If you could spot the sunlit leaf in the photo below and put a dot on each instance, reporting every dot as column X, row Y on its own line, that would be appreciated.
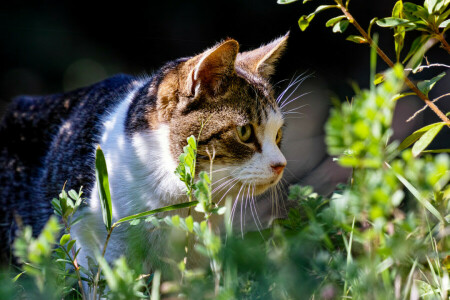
column 101, row 173
column 64, row 239
column 416, row 135
column 356, row 39
column 158, row 210
column 426, row 139
column 304, row 21
column 341, row 26
column 333, row 21
column 286, row 1
column 401, row 95
column 391, row 22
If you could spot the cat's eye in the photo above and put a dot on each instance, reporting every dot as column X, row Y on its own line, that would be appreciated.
column 245, row 133
column 279, row 135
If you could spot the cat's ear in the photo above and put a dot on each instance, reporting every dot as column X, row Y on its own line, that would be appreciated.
column 213, row 67
column 261, row 61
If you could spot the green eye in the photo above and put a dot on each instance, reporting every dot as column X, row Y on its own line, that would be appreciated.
column 244, row 132
column 279, row 135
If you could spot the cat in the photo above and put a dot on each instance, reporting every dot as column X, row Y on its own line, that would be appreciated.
column 142, row 123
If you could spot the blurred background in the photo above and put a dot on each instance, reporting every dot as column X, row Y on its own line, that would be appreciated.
column 55, row 46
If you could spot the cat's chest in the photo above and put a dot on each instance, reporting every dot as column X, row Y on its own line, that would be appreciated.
column 140, row 167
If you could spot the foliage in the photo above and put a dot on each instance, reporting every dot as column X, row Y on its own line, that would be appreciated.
column 383, row 235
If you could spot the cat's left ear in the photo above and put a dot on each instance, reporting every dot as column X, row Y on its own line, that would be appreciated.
column 213, row 67
column 261, row 61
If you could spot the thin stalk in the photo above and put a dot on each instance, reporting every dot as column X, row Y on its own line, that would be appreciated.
column 97, row 277
column 75, row 264
column 389, row 62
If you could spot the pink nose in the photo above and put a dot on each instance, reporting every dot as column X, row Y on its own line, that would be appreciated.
column 278, row 168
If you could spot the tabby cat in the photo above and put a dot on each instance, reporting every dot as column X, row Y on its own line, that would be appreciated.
column 142, row 125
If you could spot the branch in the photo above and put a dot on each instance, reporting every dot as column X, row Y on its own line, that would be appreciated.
column 423, row 108
column 380, row 52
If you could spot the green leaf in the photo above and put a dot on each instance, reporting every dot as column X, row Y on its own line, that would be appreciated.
column 392, row 22
column 332, row 22
column 17, row 276
column 323, row 7
column 426, row 139
column 158, row 210
column 416, row 135
column 418, row 196
column 401, row 95
column 444, row 24
column 70, row 245
column 304, row 21
column 426, row 85
column 340, row 26
column 416, row 45
column 356, row 39
column 415, row 12
column 437, row 151
column 398, row 9
column 430, row 5
column 190, row 223
column 73, row 195
column 379, row 78
column 286, row 1
column 101, row 174
column 64, row 239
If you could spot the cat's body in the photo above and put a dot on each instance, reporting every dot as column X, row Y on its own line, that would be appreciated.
column 142, row 125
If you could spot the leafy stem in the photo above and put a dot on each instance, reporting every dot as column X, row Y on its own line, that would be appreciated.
column 74, row 261
column 389, row 62
column 445, row 44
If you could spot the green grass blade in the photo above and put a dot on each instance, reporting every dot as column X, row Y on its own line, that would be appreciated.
column 101, row 174
column 158, row 210
column 419, row 197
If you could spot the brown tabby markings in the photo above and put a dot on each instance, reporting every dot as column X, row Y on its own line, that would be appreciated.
column 234, row 91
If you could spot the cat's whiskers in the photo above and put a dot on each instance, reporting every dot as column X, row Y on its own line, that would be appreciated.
column 219, row 180
column 297, row 82
column 286, row 102
column 244, row 205
column 233, row 210
column 255, row 212
column 232, row 186
column 222, row 186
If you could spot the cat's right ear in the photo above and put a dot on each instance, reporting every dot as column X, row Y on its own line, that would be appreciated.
column 212, row 68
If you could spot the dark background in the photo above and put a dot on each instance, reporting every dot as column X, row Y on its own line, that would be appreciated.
column 54, row 46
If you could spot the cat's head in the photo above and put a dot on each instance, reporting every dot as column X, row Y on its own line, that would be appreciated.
column 230, row 93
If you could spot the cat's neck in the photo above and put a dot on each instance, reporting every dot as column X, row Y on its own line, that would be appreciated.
column 140, row 167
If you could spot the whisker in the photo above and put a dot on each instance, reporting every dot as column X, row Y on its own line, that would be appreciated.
column 221, row 179
column 282, row 103
column 233, row 210
column 290, row 85
column 294, row 109
column 228, row 191
column 287, row 102
column 222, row 186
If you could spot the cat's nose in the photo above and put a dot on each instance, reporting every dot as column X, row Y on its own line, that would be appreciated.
column 278, row 168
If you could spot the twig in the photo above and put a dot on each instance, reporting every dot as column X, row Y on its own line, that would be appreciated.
column 75, row 263
column 97, row 277
column 420, row 68
column 444, row 43
column 380, row 52
column 423, row 108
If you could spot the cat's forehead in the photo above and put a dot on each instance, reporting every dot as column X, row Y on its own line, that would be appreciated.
column 258, row 102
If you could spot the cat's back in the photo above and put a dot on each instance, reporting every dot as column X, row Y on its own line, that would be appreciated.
column 33, row 128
